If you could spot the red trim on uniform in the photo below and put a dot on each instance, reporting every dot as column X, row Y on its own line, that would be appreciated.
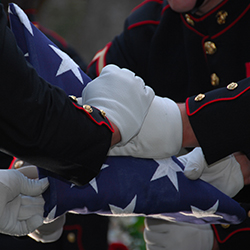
column 213, row 101
column 165, row 8
column 143, row 23
column 98, row 123
column 99, row 56
column 79, row 234
column 232, row 24
column 209, row 13
column 247, row 65
column 145, row 2
column 230, row 235
column 190, row 27
column 12, row 163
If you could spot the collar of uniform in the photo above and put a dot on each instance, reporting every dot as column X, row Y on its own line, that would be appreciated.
column 208, row 25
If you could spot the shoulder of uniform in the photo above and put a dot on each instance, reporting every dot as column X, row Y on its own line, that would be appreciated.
column 148, row 12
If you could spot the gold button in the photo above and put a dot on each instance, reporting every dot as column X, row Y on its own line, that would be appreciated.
column 221, row 17
column 189, row 20
column 103, row 113
column 210, row 47
column 215, row 80
column 232, row 86
column 71, row 237
column 72, row 97
column 225, row 226
column 248, row 214
column 88, row 108
column 199, row 97
column 18, row 164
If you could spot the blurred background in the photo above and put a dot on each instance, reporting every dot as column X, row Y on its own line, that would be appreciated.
column 87, row 25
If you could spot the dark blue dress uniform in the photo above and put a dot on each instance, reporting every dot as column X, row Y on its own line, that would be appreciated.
column 183, row 54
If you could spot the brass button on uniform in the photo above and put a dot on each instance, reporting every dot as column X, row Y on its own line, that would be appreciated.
column 232, row 86
column 199, row 97
column 221, row 17
column 103, row 113
column 71, row 237
column 88, row 108
column 189, row 20
column 225, row 226
column 73, row 98
column 210, row 47
column 248, row 214
column 215, row 80
column 18, row 164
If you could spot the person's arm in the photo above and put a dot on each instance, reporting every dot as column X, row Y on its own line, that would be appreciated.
column 55, row 132
column 189, row 139
column 220, row 120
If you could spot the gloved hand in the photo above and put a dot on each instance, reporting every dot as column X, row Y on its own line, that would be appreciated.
column 225, row 174
column 160, row 135
column 49, row 232
column 161, row 234
column 124, row 98
column 21, row 203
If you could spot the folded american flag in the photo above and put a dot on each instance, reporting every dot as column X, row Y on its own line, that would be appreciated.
column 51, row 63
column 126, row 186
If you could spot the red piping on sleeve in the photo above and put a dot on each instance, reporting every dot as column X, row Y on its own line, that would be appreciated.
column 98, row 123
column 230, row 235
column 213, row 101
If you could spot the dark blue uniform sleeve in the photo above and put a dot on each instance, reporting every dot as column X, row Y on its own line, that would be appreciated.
column 41, row 125
column 220, row 120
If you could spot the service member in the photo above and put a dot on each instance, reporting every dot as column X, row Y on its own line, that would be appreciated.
column 182, row 48
column 55, row 132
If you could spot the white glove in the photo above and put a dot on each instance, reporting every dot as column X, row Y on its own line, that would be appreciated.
column 21, row 203
column 160, row 135
column 49, row 232
column 225, row 174
column 160, row 235
column 123, row 96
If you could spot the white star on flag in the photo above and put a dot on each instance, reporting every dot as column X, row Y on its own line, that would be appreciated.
column 198, row 213
column 127, row 211
column 23, row 18
column 169, row 168
column 67, row 64
column 51, row 216
column 93, row 182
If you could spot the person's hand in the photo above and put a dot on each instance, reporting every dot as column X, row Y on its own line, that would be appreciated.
column 160, row 135
column 49, row 232
column 225, row 174
column 161, row 234
column 124, row 98
column 21, row 203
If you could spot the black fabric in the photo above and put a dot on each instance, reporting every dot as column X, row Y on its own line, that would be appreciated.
column 199, row 3
column 40, row 124
column 89, row 233
column 231, row 237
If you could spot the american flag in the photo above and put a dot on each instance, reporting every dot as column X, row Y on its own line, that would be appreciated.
column 51, row 63
column 125, row 186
